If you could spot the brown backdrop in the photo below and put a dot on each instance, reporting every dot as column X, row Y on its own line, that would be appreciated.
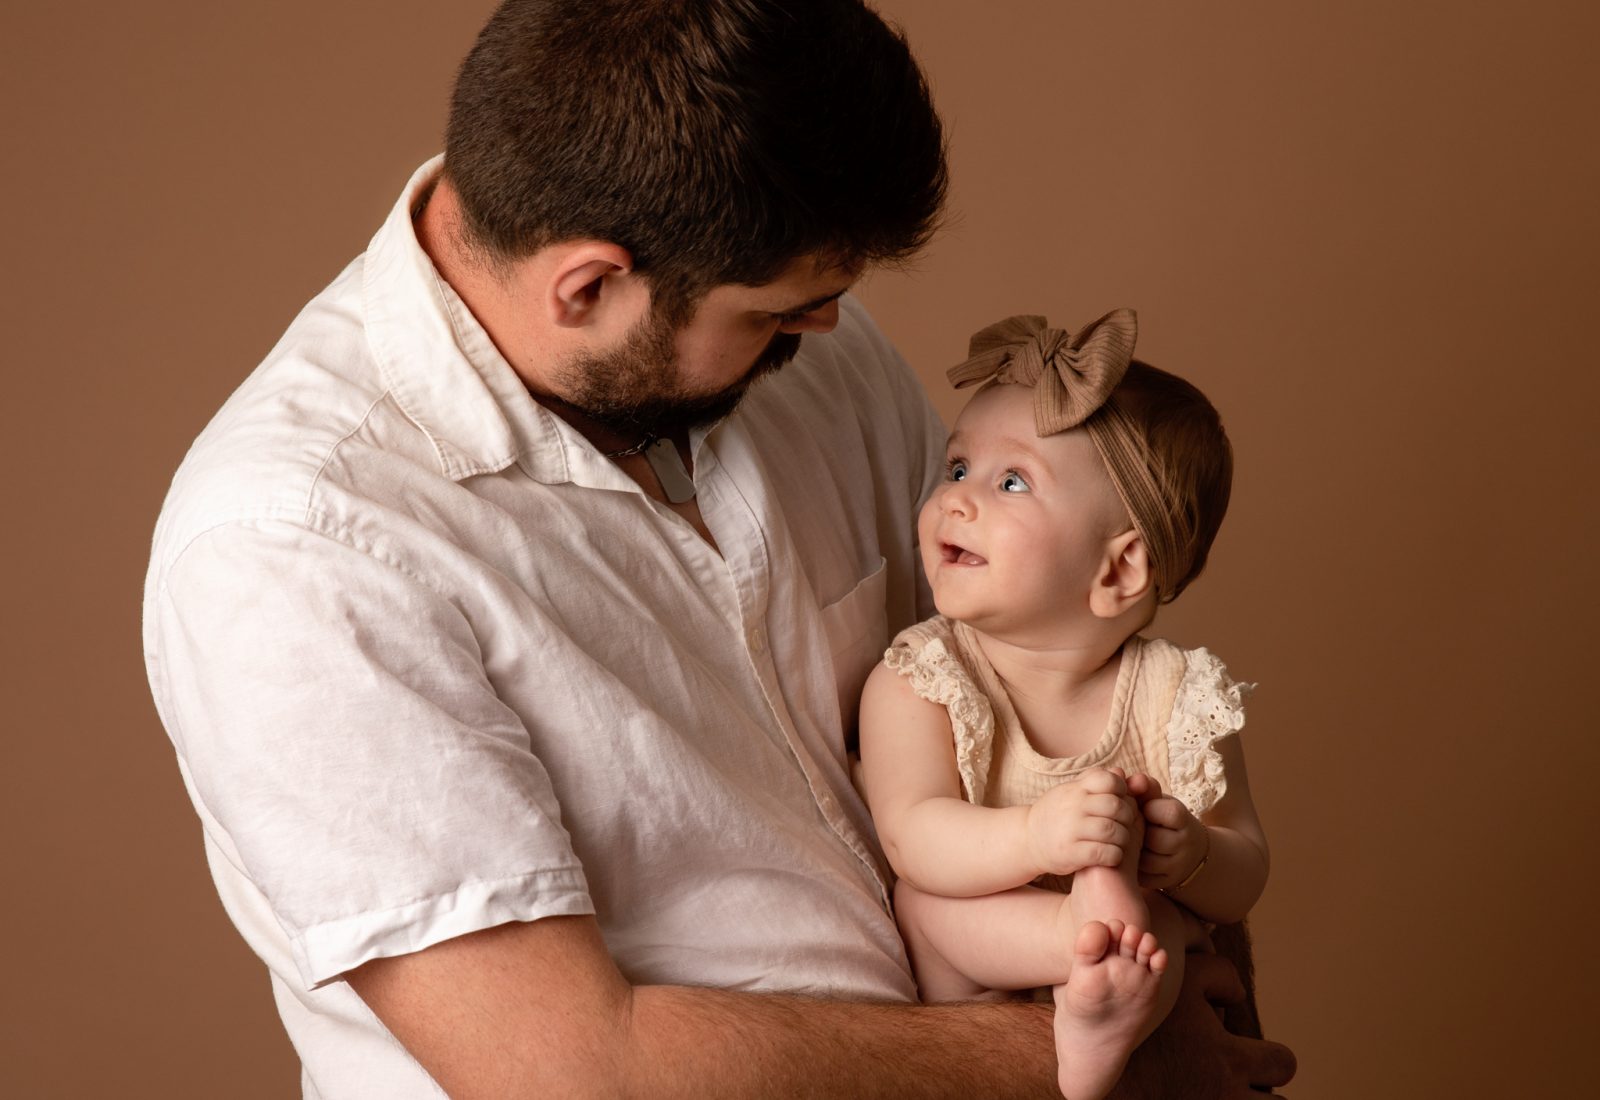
column 1368, row 230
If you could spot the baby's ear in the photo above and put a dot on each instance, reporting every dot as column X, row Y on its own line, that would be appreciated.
column 1125, row 577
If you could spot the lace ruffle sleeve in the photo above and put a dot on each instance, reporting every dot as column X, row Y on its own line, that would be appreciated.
column 939, row 677
column 1209, row 706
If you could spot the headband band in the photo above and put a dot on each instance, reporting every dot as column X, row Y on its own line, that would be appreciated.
column 1073, row 376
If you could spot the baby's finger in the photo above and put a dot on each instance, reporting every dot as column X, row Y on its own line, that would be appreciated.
column 1178, row 859
column 1143, row 787
column 1110, row 806
column 1104, row 830
column 1090, row 854
column 1102, row 781
column 1168, row 812
column 1162, row 842
column 1114, row 853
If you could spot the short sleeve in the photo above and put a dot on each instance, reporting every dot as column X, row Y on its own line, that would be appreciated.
column 336, row 722
column 923, row 656
column 1208, row 707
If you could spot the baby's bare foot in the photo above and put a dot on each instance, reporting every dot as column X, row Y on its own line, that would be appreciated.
column 1106, row 1007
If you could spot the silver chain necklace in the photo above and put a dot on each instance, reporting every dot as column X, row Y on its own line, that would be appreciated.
column 665, row 463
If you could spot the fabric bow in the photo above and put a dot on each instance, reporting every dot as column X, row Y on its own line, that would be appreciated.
column 1072, row 374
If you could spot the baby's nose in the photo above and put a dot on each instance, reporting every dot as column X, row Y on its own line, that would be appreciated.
column 955, row 500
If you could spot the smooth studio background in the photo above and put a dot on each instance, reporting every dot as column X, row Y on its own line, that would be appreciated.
column 1368, row 230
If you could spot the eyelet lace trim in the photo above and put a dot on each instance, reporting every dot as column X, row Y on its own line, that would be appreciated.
column 937, row 676
column 1209, row 707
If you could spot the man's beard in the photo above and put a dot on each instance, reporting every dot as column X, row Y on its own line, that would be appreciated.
column 634, row 388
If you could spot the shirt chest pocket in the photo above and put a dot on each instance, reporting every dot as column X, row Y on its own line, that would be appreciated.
column 857, row 626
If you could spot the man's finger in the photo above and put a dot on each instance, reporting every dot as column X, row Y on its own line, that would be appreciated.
column 1218, row 979
column 1267, row 1064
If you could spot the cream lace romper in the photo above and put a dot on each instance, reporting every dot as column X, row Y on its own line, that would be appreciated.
column 1168, row 709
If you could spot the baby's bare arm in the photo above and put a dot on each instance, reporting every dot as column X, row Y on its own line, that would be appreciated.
column 1217, row 866
column 933, row 837
column 943, row 844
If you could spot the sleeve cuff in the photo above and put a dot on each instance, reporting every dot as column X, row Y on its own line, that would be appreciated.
column 324, row 952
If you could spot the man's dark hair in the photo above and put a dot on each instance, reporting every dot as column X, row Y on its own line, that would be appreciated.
column 716, row 140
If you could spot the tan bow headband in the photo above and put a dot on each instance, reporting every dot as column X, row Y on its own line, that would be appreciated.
column 1074, row 375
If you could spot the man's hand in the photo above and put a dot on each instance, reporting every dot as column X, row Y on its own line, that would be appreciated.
column 1191, row 1056
column 1087, row 822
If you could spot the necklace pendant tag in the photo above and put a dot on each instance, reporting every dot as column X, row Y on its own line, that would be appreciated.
column 669, row 470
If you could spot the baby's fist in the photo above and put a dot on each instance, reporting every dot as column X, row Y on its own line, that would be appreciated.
column 1087, row 822
column 1175, row 843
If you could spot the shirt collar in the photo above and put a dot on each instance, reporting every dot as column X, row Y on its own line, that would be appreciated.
column 446, row 374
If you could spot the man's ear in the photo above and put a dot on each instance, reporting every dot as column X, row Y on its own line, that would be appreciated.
column 1124, row 578
column 582, row 286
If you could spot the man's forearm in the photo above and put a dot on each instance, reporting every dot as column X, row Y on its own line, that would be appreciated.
column 703, row 1042
column 539, row 1009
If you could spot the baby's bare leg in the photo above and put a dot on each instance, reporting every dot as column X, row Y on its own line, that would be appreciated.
column 964, row 947
column 1115, row 981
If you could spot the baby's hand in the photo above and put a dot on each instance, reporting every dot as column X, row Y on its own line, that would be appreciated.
column 1085, row 823
column 1174, row 842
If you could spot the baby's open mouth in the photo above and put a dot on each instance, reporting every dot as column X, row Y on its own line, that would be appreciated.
column 959, row 555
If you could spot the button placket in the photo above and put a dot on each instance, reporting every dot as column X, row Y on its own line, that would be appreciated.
column 749, row 563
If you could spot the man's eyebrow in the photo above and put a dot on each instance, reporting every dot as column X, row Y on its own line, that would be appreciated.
column 815, row 303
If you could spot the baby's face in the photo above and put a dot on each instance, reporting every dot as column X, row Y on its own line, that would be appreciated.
column 1016, row 533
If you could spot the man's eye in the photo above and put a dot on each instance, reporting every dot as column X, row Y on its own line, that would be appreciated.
column 1013, row 483
column 955, row 470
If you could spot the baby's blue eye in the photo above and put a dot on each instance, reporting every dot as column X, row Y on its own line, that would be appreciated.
column 1013, row 483
column 956, row 470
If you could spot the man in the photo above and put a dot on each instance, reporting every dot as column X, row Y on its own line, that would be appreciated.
column 509, row 667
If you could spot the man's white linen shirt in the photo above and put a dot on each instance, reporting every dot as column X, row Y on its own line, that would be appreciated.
column 431, row 663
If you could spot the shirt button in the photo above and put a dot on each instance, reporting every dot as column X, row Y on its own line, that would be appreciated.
column 758, row 640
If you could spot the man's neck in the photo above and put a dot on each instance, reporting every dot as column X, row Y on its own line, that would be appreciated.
column 492, row 301
column 487, row 294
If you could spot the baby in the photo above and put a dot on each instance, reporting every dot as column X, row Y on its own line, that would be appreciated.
column 1046, row 782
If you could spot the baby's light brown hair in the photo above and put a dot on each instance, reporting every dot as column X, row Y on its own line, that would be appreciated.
column 1181, row 442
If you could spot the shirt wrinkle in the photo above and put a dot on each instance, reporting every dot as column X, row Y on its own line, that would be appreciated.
column 539, row 872
column 311, row 489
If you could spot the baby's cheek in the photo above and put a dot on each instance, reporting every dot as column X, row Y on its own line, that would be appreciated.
column 927, row 546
